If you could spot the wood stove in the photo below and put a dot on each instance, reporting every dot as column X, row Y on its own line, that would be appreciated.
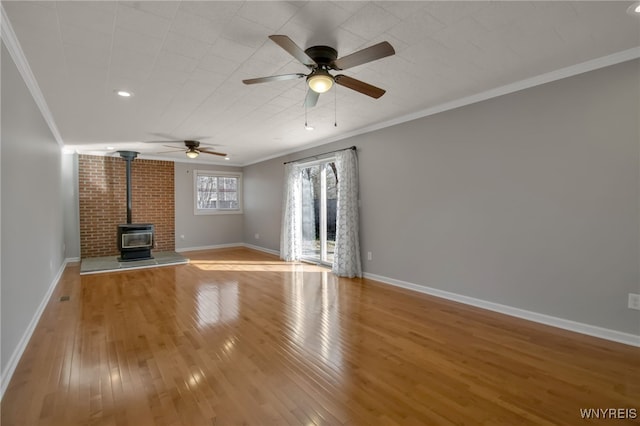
column 135, row 240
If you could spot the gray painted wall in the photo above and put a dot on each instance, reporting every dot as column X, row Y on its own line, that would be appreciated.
column 263, row 203
column 32, row 209
column 201, row 230
column 530, row 200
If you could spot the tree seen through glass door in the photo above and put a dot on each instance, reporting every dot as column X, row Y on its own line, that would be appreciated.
column 319, row 199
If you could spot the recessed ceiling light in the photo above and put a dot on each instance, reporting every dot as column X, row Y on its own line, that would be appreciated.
column 110, row 147
column 308, row 127
column 634, row 9
column 124, row 93
column 226, row 158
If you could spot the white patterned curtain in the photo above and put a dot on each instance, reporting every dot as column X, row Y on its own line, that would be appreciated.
column 346, row 260
column 291, row 233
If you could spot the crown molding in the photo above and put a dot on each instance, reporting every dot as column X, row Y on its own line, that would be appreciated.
column 13, row 46
column 570, row 71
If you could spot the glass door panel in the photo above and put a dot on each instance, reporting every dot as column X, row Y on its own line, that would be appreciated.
column 310, row 218
column 331, row 201
column 319, row 194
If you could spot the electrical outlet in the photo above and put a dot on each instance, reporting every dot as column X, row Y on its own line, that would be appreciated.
column 634, row 301
column 257, row 236
column 182, row 237
column 369, row 256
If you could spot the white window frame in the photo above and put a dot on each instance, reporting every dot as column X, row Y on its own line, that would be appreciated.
column 199, row 211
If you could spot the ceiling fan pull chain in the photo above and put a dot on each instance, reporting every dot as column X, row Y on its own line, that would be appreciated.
column 335, row 107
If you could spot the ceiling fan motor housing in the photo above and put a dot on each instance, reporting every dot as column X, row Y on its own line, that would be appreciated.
column 322, row 55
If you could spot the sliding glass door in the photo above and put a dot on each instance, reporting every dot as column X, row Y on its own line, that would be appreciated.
column 319, row 199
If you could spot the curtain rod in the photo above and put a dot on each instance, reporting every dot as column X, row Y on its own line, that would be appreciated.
column 319, row 155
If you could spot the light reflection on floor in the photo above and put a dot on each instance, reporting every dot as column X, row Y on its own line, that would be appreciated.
column 314, row 311
column 217, row 303
column 254, row 266
column 311, row 308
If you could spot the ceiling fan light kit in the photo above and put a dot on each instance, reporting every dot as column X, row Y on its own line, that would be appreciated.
column 320, row 81
column 193, row 153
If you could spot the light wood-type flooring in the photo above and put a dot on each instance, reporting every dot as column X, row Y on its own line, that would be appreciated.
column 238, row 337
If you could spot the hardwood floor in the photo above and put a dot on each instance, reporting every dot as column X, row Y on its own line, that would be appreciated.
column 238, row 337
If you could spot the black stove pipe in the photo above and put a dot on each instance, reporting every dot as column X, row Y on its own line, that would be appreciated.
column 128, row 157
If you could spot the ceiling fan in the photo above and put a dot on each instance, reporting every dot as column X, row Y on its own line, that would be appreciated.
column 193, row 148
column 322, row 59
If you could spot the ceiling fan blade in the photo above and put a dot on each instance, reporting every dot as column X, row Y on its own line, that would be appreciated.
column 359, row 86
column 273, row 78
column 368, row 54
column 212, row 152
column 174, row 147
column 293, row 49
column 167, row 152
column 311, row 99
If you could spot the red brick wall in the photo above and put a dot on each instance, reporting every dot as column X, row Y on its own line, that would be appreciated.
column 103, row 205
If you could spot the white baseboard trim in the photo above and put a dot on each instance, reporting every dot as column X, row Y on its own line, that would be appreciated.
column 5, row 378
column 263, row 249
column 591, row 330
column 231, row 245
column 211, row 247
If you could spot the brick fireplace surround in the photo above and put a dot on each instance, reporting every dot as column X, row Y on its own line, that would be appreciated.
column 103, row 205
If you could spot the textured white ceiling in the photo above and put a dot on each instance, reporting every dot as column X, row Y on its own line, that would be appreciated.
column 184, row 61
